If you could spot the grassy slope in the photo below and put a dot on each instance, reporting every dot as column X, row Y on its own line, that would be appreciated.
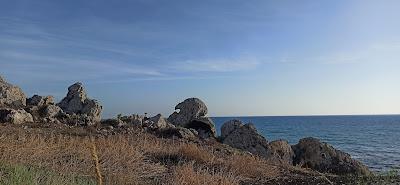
column 63, row 155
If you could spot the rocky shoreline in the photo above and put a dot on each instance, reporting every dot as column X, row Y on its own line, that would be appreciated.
column 188, row 122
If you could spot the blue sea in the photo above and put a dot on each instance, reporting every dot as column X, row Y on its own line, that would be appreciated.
column 374, row 140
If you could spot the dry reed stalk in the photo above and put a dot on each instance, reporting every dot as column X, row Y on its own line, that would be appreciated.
column 96, row 161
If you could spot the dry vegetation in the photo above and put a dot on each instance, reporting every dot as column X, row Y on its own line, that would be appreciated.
column 133, row 157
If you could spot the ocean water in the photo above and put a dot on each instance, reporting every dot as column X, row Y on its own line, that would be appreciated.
column 374, row 140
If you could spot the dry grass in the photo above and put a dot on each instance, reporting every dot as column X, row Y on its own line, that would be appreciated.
column 131, row 158
column 120, row 158
column 249, row 166
column 187, row 175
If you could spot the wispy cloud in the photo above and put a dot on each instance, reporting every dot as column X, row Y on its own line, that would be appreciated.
column 217, row 65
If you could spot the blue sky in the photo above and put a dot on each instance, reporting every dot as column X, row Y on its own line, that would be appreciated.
column 253, row 57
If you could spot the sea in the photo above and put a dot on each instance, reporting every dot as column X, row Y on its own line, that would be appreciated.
column 374, row 140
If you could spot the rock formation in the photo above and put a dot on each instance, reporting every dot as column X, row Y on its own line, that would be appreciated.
column 192, row 114
column 280, row 152
column 245, row 137
column 11, row 96
column 228, row 127
column 42, row 108
column 78, row 108
column 320, row 156
column 19, row 116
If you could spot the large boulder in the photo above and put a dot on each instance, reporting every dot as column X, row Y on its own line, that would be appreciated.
column 19, row 116
column 312, row 153
column 280, row 152
column 192, row 114
column 247, row 138
column 11, row 96
column 77, row 106
column 204, row 126
column 189, row 109
column 228, row 127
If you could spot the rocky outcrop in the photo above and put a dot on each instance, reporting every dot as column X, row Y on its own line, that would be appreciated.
column 11, row 96
column 42, row 108
column 19, row 116
column 320, row 156
column 192, row 114
column 79, row 108
column 280, row 152
column 245, row 137
column 37, row 100
column 228, row 127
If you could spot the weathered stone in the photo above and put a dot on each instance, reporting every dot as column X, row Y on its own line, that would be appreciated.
column 229, row 126
column 51, row 111
column 188, row 110
column 280, row 152
column 320, row 156
column 19, row 116
column 204, row 126
column 247, row 138
column 82, row 109
column 37, row 100
column 192, row 114
column 179, row 132
column 11, row 96
column 159, row 122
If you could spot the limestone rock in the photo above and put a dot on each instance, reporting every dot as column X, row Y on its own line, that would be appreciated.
column 247, row 138
column 188, row 110
column 280, row 152
column 37, row 100
column 192, row 114
column 77, row 104
column 19, row 116
column 229, row 127
column 51, row 111
column 204, row 126
column 159, row 122
column 11, row 96
column 320, row 156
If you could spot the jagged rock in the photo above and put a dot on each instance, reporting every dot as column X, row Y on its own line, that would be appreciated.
column 159, row 122
column 77, row 103
column 19, row 116
column 204, row 126
column 192, row 114
column 51, row 111
column 247, row 138
column 37, row 100
column 312, row 153
column 229, row 127
column 42, row 108
column 280, row 152
column 11, row 96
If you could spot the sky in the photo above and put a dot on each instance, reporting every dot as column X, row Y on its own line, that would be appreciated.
column 242, row 58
